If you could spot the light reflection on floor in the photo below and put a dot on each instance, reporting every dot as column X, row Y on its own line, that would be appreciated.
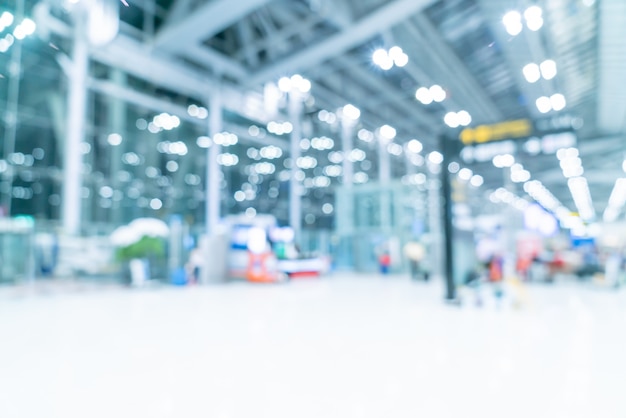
column 340, row 347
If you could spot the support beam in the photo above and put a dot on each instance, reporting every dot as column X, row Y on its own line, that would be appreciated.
column 161, row 69
column 517, row 53
column 385, row 17
column 178, row 11
column 391, row 94
column 217, row 61
column 463, row 82
column 206, row 21
column 161, row 105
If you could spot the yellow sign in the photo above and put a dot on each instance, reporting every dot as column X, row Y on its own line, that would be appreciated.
column 486, row 133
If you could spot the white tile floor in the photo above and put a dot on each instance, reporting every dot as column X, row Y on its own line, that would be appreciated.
column 340, row 347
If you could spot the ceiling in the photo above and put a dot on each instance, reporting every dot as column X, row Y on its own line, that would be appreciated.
column 178, row 51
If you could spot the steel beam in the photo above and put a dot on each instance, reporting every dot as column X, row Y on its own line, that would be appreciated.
column 361, row 31
column 205, row 22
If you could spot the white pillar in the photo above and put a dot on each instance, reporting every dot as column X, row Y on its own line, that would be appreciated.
column 295, row 186
column 117, row 124
column 347, row 144
column 384, row 161
column 12, row 111
column 76, row 115
column 410, row 168
column 435, row 207
column 213, row 201
column 384, row 177
column 347, row 216
column 508, row 229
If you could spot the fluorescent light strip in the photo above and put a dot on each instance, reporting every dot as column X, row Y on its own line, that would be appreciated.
column 572, row 167
column 582, row 197
column 616, row 201
column 502, row 195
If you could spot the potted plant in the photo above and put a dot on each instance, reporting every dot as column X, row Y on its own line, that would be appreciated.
column 139, row 243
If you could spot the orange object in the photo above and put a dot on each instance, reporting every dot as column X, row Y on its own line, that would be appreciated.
column 261, row 268
column 495, row 270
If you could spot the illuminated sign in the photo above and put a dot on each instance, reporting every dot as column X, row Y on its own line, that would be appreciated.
column 520, row 128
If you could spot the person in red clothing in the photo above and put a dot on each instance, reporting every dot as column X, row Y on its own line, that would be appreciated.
column 385, row 262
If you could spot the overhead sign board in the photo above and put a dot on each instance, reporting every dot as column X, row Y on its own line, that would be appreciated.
column 520, row 128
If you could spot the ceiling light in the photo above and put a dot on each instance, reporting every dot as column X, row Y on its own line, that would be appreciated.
column 19, row 33
column 477, row 180
column 29, row 26
column 424, row 95
column 548, row 69
column 465, row 174
column 387, row 132
column 544, row 105
column 382, row 59
column 402, row 60
column 365, row 135
column 284, row 84
column 582, row 197
column 513, row 23
column 464, row 118
column 351, row 112
column 395, row 52
column 193, row 110
column 416, row 146
column 616, row 201
column 204, row 142
column 558, row 102
column 386, row 59
column 532, row 73
column 300, row 83
column 451, row 119
column 114, row 139
column 6, row 19
column 520, row 176
column 438, row 93
column 435, row 157
column 502, row 161
column 534, row 18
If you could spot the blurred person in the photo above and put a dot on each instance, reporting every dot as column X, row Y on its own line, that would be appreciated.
column 496, row 276
column 523, row 265
column 384, row 262
column 415, row 252
column 194, row 265
column 537, row 271
column 612, row 269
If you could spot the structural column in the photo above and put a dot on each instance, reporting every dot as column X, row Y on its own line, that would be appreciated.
column 213, row 201
column 11, row 115
column 435, row 217
column 384, row 177
column 117, row 123
column 347, row 144
column 448, row 153
column 76, row 115
column 295, row 185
